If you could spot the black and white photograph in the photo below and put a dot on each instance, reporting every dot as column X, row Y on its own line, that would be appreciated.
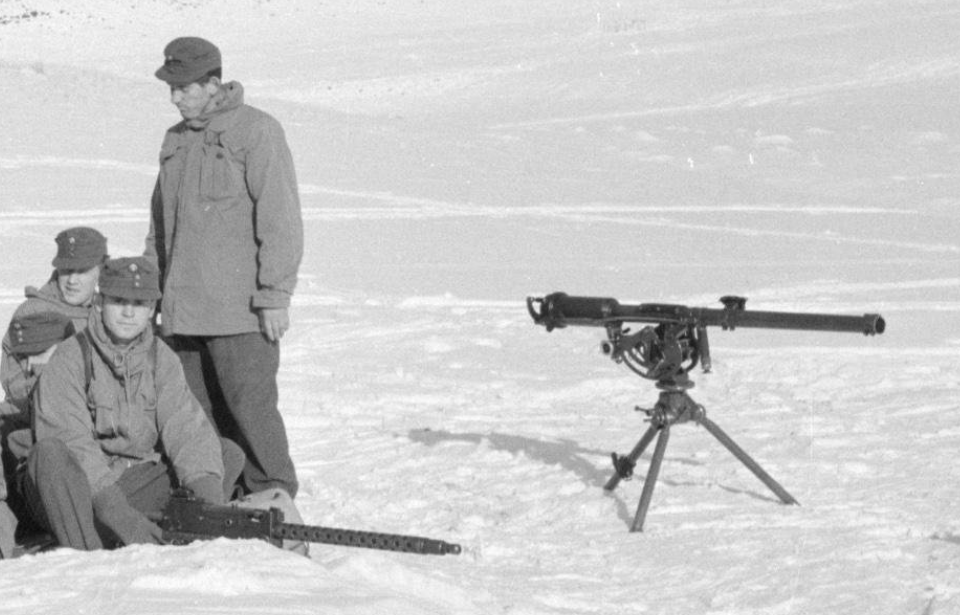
column 473, row 307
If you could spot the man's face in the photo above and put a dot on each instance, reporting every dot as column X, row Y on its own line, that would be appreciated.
column 78, row 285
column 125, row 319
column 194, row 99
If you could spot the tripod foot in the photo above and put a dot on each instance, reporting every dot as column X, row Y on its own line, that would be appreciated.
column 748, row 461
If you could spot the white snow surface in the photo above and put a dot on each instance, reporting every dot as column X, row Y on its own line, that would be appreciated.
column 457, row 156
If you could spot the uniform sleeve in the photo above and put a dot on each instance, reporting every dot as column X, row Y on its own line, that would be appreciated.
column 189, row 440
column 153, row 246
column 61, row 412
column 272, row 183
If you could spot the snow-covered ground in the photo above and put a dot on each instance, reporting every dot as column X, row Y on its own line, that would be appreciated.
column 456, row 156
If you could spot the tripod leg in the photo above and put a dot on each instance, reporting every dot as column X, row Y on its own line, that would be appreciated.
column 651, row 480
column 633, row 456
column 748, row 461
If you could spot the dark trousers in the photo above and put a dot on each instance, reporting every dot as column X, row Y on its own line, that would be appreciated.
column 58, row 496
column 235, row 380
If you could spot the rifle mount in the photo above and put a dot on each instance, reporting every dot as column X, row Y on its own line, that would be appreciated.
column 672, row 344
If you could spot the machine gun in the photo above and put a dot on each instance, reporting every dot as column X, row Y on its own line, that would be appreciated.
column 187, row 518
column 672, row 344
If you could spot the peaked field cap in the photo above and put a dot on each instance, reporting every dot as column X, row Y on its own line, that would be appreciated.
column 131, row 277
column 187, row 59
column 35, row 333
column 80, row 247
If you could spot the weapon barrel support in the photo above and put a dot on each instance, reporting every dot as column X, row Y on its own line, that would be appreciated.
column 370, row 540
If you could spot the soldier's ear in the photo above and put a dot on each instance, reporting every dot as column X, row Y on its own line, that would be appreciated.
column 212, row 86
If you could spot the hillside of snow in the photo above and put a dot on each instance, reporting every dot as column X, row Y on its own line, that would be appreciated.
column 455, row 157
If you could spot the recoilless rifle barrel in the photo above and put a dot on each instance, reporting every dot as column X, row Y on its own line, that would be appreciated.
column 558, row 310
column 675, row 339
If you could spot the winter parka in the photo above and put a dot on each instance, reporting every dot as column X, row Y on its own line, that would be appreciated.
column 138, row 408
column 225, row 226
column 16, row 379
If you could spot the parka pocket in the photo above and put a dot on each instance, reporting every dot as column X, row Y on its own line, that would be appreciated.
column 172, row 161
column 105, row 422
column 220, row 176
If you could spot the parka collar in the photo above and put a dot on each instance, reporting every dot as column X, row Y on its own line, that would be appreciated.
column 229, row 97
column 50, row 292
column 123, row 361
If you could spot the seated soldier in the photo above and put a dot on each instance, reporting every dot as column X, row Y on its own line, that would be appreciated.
column 69, row 291
column 32, row 339
column 116, row 426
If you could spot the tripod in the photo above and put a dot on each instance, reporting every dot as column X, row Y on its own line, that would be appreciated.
column 674, row 406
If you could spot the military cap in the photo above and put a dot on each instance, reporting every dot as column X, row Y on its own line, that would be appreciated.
column 80, row 248
column 35, row 333
column 132, row 277
column 188, row 59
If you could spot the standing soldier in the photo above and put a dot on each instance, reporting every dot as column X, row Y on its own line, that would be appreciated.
column 227, row 235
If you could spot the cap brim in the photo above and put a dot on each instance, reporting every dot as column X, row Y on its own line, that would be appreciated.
column 79, row 264
column 182, row 78
column 131, row 294
column 33, row 347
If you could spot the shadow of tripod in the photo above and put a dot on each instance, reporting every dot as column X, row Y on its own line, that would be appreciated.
column 673, row 407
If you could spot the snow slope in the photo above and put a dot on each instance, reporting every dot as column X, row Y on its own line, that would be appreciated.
column 455, row 157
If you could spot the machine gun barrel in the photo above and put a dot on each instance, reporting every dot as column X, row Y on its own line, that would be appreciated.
column 186, row 519
column 558, row 310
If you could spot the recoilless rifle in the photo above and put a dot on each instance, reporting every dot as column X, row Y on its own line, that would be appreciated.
column 186, row 519
column 672, row 344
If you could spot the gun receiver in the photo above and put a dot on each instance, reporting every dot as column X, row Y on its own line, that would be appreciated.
column 186, row 519
column 679, row 340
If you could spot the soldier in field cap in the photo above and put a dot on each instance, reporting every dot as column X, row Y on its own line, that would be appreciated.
column 69, row 292
column 36, row 326
column 116, row 426
column 187, row 60
column 32, row 338
column 227, row 236
column 37, row 333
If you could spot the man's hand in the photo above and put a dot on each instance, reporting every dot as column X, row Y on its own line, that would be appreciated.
column 274, row 322
column 111, row 508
